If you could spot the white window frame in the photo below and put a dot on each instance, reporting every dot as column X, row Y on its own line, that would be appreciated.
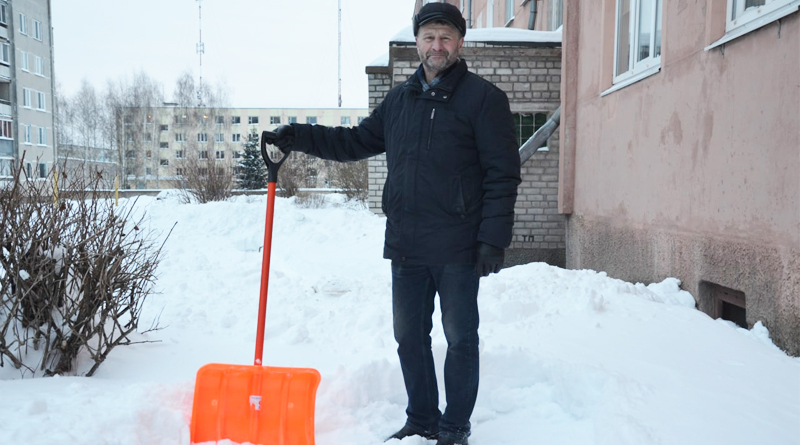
column 509, row 11
column 274, row 120
column 236, row 137
column 219, row 138
column 219, row 154
column 27, row 135
column 5, row 53
column 6, row 167
column 202, row 137
column 637, row 70
column 345, row 121
column 6, row 129
column 4, row 14
column 26, row 98
column 38, row 66
column 23, row 61
column 41, row 136
column 740, row 21
column 23, row 24
column 37, row 30
column 180, row 137
column 41, row 101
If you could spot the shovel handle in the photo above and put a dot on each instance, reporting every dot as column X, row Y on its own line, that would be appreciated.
column 272, row 166
column 268, row 137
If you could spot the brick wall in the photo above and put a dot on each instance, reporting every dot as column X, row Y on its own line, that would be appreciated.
column 531, row 77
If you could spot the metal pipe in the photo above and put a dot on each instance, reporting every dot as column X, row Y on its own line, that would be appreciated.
column 540, row 137
column 469, row 14
column 532, row 18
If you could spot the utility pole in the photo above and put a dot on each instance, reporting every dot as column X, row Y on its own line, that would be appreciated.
column 201, row 48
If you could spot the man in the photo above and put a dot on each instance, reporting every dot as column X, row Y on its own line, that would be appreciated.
column 453, row 171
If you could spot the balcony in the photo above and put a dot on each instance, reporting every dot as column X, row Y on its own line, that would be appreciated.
column 6, row 147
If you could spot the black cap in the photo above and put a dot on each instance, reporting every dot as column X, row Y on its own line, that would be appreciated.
column 440, row 11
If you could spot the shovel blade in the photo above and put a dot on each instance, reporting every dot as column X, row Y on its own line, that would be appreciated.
column 257, row 404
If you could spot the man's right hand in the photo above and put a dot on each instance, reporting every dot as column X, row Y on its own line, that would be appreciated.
column 284, row 138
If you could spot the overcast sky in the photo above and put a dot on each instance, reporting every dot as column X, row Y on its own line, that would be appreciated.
column 270, row 53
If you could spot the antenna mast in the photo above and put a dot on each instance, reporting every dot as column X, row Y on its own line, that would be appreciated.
column 340, row 53
column 201, row 48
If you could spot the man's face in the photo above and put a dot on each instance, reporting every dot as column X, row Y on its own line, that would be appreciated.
column 439, row 46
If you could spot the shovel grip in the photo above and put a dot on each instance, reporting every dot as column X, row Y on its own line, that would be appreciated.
column 268, row 137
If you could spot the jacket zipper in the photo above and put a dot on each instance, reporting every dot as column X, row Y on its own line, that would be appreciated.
column 430, row 130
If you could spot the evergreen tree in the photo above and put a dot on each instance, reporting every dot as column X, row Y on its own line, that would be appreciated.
column 252, row 170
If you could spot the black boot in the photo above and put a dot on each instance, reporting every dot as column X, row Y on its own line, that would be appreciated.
column 408, row 431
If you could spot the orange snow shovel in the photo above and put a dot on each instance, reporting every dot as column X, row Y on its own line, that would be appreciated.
column 258, row 404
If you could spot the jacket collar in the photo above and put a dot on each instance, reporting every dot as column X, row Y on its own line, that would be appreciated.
column 447, row 80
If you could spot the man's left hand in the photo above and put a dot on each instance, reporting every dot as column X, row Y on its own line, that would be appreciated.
column 490, row 259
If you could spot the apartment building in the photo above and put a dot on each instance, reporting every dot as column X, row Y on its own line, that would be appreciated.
column 26, row 87
column 157, row 143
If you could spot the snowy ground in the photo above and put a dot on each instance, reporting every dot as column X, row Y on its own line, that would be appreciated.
column 568, row 356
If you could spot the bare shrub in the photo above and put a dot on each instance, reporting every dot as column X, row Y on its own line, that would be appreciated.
column 206, row 180
column 292, row 175
column 310, row 200
column 353, row 179
column 74, row 275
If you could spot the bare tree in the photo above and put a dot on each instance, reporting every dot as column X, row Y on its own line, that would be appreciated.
column 352, row 178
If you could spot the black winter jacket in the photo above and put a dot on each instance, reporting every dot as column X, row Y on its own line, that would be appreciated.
column 452, row 160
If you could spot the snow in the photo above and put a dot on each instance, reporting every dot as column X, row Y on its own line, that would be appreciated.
column 567, row 356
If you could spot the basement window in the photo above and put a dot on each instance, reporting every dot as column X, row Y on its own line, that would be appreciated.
column 729, row 304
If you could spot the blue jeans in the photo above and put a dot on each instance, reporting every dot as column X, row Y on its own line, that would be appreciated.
column 413, row 290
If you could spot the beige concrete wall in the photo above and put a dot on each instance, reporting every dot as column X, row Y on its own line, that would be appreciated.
column 693, row 172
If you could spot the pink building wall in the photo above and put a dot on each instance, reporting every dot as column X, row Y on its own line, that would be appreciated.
column 693, row 172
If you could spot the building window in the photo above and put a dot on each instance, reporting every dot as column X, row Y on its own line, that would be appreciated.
column 556, row 14
column 346, row 120
column 220, row 154
column 23, row 61
column 180, row 137
column 219, row 138
column 42, row 136
column 164, row 162
column 27, row 138
column 202, row 137
column 742, row 13
column 527, row 124
column 236, row 137
column 4, row 14
column 220, row 120
column 202, row 154
column 148, row 171
column 311, row 120
column 292, row 120
column 361, row 119
column 164, row 128
column 5, row 129
column 26, row 98
column 6, row 167
column 509, row 10
column 179, row 154
column 236, row 120
column 164, row 145
column 275, row 120
column 42, row 170
column 237, row 155
column 23, row 24
column 41, row 104
column 148, row 137
column 179, row 171
column 252, row 120
column 38, row 65
column 37, row 30
column 5, row 56
column 638, row 39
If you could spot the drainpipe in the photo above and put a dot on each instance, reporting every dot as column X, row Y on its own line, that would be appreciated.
column 532, row 18
column 469, row 14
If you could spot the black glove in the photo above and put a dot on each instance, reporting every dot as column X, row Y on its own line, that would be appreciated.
column 284, row 138
column 490, row 259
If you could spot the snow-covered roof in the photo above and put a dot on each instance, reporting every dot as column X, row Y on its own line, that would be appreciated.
column 493, row 35
column 482, row 35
